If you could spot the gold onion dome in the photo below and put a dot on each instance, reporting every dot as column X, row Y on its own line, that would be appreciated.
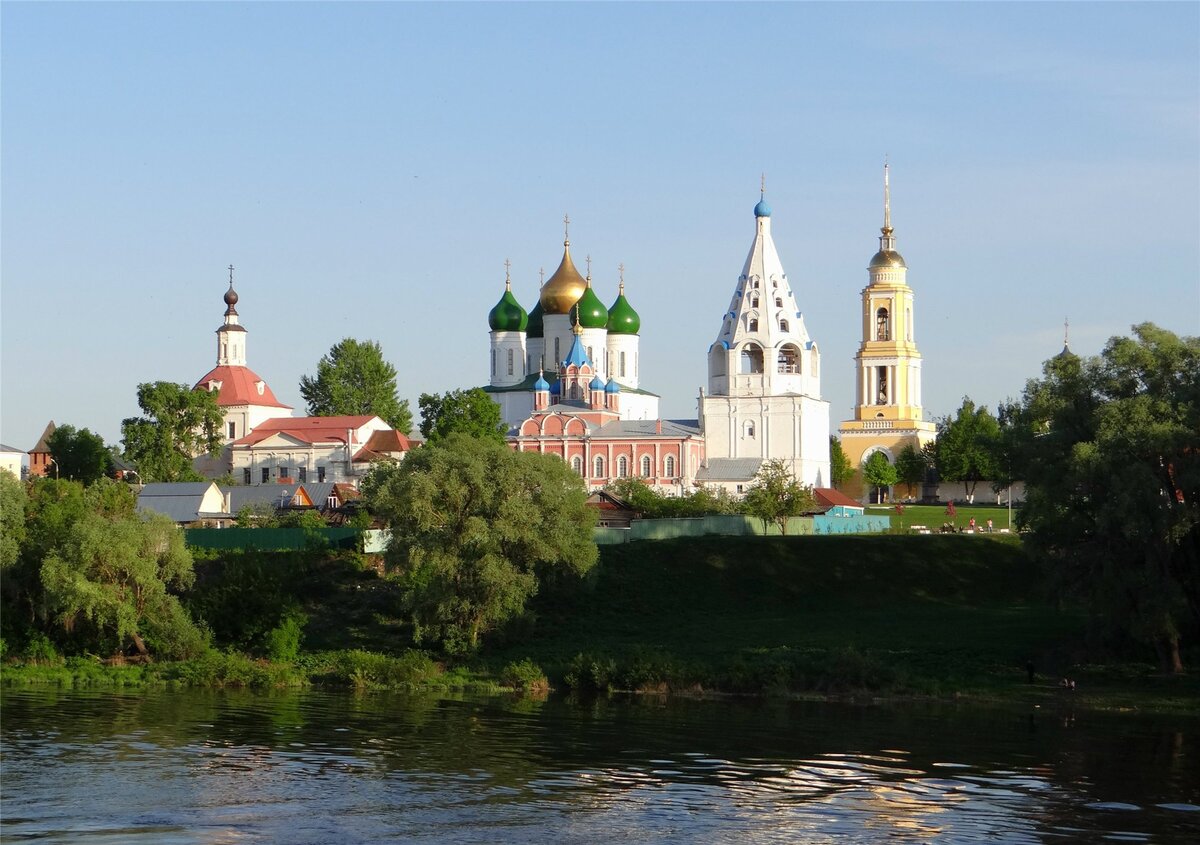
column 886, row 258
column 564, row 288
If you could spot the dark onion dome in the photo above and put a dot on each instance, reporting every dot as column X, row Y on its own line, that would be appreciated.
column 231, row 299
column 622, row 319
column 590, row 310
column 533, row 326
column 508, row 315
column 563, row 289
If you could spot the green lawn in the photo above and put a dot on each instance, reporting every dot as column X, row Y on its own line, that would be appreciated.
column 934, row 516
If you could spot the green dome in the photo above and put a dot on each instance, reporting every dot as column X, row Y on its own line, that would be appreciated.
column 591, row 311
column 533, row 327
column 508, row 315
column 622, row 319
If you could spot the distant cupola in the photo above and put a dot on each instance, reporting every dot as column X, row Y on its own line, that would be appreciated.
column 622, row 319
column 590, row 310
column 566, row 286
column 507, row 315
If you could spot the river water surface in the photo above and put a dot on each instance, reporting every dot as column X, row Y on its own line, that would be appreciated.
column 312, row 767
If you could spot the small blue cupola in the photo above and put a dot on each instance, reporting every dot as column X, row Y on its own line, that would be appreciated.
column 612, row 386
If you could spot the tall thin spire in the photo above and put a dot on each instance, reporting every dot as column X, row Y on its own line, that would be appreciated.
column 566, row 230
column 621, row 270
column 887, row 241
column 507, row 278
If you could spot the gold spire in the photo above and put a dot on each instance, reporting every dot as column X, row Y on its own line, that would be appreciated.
column 887, row 201
column 566, row 230
column 578, row 329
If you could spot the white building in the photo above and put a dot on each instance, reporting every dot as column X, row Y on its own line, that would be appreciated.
column 307, row 449
column 764, row 379
column 244, row 398
column 533, row 345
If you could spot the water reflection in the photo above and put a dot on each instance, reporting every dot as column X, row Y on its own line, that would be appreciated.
column 210, row 767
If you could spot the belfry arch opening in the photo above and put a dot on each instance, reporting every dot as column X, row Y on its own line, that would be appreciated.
column 788, row 360
column 751, row 359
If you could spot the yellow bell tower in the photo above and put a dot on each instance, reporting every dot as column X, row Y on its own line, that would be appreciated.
column 887, row 412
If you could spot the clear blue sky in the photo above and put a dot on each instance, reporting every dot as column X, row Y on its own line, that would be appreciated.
column 369, row 167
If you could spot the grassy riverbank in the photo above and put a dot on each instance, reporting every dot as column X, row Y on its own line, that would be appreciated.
column 880, row 616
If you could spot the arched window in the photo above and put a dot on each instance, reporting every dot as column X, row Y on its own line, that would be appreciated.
column 669, row 466
column 752, row 325
column 751, row 359
column 590, row 356
column 755, row 284
column 783, row 325
column 754, row 300
column 881, row 396
column 779, row 302
column 622, row 466
column 510, row 362
column 789, row 359
column 883, row 330
column 646, row 462
column 716, row 361
column 622, row 360
column 598, row 467
column 748, row 428
column 577, row 464
column 493, row 362
column 557, row 357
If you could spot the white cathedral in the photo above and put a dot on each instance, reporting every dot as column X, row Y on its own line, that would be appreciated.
column 764, row 376
column 763, row 400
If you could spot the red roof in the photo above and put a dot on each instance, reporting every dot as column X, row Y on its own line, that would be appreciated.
column 829, row 497
column 239, row 386
column 306, row 429
column 382, row 443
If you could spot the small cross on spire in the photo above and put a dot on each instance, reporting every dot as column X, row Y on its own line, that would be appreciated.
column 589, row 270
column 507, row 277
column 567, row 228
column 231, row 275
column 762, row 186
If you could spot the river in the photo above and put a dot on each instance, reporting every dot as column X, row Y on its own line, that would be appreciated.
column 316, row 767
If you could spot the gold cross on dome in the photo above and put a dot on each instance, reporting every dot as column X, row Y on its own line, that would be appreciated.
column 567, row 226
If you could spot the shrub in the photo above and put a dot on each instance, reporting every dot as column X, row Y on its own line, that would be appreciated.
column 524, row 675
column 40, row 651
column 282, row 643
column 588, row 672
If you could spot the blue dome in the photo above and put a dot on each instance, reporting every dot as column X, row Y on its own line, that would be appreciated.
column 612, row 386
column 596, row 383
column 541, row 384
column 556, row 388
column 762, row 209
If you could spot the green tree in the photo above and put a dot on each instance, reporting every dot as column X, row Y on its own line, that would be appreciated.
column 471, row 412
column 354, row 379
column 879, row 473
column 967, row 446
column 178, row 424
column 911, row 467
column 841, row 470
column 476, row 527
column 112, row 576
column 776, row 495
column 79, row 455
column 12, row 519
column 1109, row 448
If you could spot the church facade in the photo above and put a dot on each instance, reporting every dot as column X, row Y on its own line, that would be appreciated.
column 888, row 415
column 565, row 375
